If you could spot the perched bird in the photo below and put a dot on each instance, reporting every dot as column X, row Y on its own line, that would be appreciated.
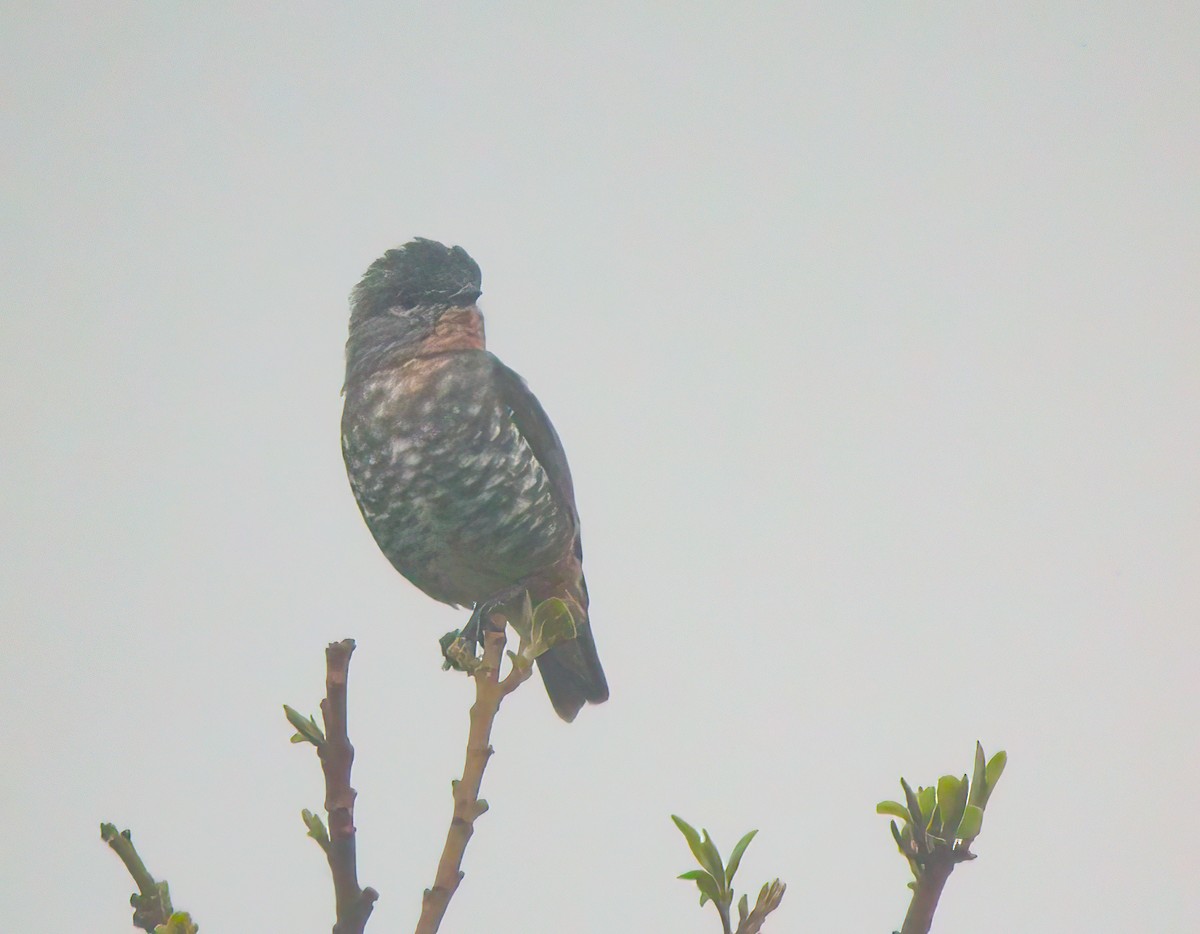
column 455, row 466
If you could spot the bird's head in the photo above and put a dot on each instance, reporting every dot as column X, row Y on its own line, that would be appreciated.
column 414, row 299
column 422, row 273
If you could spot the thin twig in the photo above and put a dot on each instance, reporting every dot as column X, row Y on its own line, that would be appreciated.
column 354, row 904
column 489, row 692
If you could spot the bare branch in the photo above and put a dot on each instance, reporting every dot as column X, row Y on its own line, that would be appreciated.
column 354, row 904
column 489, row 692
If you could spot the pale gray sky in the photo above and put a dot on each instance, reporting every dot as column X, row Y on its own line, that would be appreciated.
column 873, row 335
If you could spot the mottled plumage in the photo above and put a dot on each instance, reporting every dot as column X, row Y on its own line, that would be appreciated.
column 458, row 472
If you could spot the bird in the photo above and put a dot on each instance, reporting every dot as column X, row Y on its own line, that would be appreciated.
column 455, row 466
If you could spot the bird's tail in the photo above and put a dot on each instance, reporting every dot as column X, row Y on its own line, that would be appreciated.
column 571, row 670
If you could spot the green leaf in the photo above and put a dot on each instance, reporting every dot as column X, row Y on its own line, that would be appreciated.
column 552, row 624
column 743, row 909
column 705, row 883
column 904, row 844
column 689, row 833
column 179, row 923
column 917, row 824
column 703, row 850
column 535, row 627
column 893, row 808
column 735, row 857
column 307, row 730
column 995, row 768
column 928, row 800
column 710, row 859
column 914, row 806
column 952, row 798
column 316, row 828
column 971, row 823
column 978, row 776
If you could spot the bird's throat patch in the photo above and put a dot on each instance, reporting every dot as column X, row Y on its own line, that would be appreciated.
column 457, row 329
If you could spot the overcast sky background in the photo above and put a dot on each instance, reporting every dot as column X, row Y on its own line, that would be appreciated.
column 873, row 336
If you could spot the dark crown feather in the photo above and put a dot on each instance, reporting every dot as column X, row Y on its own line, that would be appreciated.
column 422, row 272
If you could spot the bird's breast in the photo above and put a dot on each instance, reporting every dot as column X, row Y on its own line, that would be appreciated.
column 448, row 486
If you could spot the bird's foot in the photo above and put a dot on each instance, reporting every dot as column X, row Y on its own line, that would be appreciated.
column 472, row 633
column 481, row 615
column 458, row 652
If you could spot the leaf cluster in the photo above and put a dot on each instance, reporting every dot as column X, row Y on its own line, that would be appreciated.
column 307, row 730
column 945, row 818
column 316, row 828
column 541, row 628
column 714, row 879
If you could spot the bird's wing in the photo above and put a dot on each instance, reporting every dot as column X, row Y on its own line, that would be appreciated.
column 534, row 424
